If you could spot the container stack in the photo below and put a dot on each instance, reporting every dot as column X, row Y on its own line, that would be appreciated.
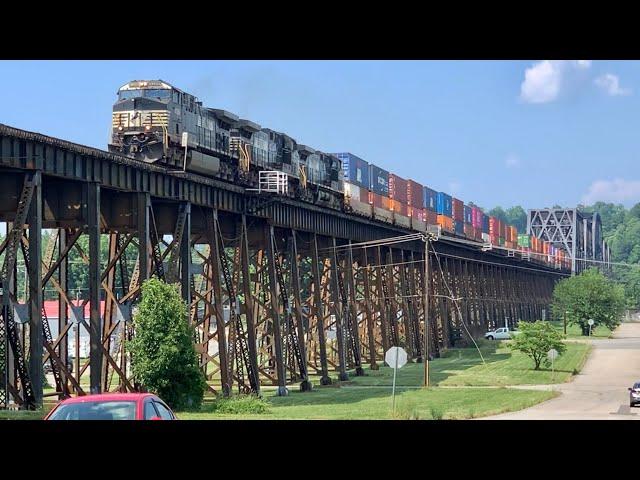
column 430, row 203
column 444, row 210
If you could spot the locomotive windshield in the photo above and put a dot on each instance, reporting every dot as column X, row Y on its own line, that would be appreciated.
column 147, row 93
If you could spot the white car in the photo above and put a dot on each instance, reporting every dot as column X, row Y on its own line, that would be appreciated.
column 500, row 334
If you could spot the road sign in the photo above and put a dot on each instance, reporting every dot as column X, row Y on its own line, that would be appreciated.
column 590, row 322
column 552, row 355
column 396, row 357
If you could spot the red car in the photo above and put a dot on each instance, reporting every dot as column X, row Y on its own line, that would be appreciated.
column 112, row 406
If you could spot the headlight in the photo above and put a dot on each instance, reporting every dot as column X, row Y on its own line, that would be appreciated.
column 120, row 127
column 147, row 128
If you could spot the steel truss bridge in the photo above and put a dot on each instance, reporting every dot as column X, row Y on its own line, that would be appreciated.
column 280, row 291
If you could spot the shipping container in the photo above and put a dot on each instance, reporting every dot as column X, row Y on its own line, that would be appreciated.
column 430, row 199
column 477, row 233
column 352, row 191
column 361, row 208
column 355, row 169
column 485, row 237
column 485, row 223
column 402, row 220
column 418, row 225
column 378, row 180
column 524, row 241
column 445, row 222
column 380, row 201
column 494, row 227
column 514, row 234
column 383, row 214
column 430, row 217
column 476, row 217
column 457, row 210
column 468, row 215
column 468, row 231
column 501, row 241
column 416, row 213
column 398, row 188
column 458, row 227
column 495, row 240
column 415, row 194
column 443, row 204
column 399, row 207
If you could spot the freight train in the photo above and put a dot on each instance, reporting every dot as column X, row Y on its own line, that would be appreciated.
column 155, row 122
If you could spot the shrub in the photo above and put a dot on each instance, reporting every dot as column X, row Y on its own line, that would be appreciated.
column 163, row 357
column 240, row 404
column 536, row 339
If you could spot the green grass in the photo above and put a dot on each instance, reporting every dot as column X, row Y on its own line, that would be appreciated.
column 463, row 367
column 375, row 403
column 574, row 331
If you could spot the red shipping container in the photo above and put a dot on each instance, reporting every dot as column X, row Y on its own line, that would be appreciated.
column 416, row 213
column 476, row 217
column 415, row 194
column 398, row 188
column 494, row 227
column 430, row 217
column 494, row 239
column 457, row 207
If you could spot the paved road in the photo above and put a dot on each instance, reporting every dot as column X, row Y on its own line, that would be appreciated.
column 600, row 391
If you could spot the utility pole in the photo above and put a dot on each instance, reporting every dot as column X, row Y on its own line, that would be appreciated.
column 426, row 311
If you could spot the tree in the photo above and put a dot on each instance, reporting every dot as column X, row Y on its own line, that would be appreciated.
column 517, row 217
column 589, row 295
column 164, row 359
column 498, row 213
column 536, row 339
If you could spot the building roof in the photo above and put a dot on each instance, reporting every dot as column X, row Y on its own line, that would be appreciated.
column 52, row 311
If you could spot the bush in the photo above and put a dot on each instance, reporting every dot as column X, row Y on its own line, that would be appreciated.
column 436, row 413
column 536, row 339
column 589, row 295
column 240, row 404
column 163, row 357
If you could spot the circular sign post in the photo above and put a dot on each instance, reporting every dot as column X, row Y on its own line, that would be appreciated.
column 590, row 322
column 552, row 355
column 396, row 357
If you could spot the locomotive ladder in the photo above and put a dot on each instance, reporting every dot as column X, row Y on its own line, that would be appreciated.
column 292, row 336
column 10, row 332
column 242, row 357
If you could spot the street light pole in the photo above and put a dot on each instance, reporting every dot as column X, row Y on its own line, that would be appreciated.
column 426, row 311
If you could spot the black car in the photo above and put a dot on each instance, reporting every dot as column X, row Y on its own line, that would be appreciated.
column 634, row 394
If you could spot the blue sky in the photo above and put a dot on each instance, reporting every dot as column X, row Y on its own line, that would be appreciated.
column 532, row 133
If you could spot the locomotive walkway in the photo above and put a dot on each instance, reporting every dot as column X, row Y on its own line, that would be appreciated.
column 599, row 392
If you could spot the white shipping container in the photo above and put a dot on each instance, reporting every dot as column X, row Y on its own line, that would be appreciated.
column 402, row 220
column 382, row 214
column 485, row 237
column 418, row 225
column 352, row 191
column 360, row 207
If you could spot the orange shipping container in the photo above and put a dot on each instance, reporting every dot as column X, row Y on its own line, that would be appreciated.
column 445, row 222
column 399, row 207
column 380, row 201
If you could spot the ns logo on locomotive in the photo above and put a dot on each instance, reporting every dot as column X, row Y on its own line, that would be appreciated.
column 155, row 122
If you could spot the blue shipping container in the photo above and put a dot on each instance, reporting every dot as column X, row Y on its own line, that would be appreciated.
column 468, row 216
column 459, row 227
column 443, row 204
column 355, row 169
column 378, row 180
column 485, row 223
column 430, row 199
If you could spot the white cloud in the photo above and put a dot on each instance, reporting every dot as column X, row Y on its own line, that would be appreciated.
column 512, row 161
column 544, row 81
column 617, row 191
column 610, row 83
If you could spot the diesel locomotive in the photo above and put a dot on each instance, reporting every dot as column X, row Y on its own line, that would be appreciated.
column 155, row 122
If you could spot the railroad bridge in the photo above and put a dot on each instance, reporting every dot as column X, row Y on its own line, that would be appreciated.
column 281, row 292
